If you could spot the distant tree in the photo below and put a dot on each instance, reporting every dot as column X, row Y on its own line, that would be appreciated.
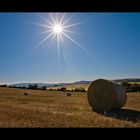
column 63, row 89
column 30, row 86
column 135, row 88
column 35, row 86
column 126, row 85
column 80, row 89
column 135, row 85
column 131, row 87
column 44, row 87
column 23, row 87
column 68, row 90
column 13, row 87
column 3, row 85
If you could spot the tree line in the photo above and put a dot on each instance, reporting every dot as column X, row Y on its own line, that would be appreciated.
column 36, row 87
column 131, row 87
column 128, row 86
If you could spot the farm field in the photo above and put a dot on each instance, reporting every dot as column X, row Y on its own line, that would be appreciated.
column 72, row 86
column 42, row 108
column 85, row 86
column 134, row 82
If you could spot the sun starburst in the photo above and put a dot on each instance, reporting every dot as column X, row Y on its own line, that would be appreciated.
column 57, row 27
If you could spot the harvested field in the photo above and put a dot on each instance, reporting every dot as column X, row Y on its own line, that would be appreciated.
column 56, row 109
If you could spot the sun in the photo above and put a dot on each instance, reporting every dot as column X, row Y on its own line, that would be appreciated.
column 58, row 29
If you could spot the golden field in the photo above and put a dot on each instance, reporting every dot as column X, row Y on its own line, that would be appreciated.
column 42, row 108
column 72, row 86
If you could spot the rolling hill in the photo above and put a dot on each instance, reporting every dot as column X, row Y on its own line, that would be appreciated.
column 82, row 83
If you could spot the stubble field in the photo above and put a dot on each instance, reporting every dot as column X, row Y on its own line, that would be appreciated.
column 42, row 108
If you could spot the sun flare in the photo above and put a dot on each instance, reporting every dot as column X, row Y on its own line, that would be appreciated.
column 58, row 27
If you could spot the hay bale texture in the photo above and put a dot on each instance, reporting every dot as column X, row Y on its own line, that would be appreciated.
column 104, row 95
column 68, row 94
column 25, row 93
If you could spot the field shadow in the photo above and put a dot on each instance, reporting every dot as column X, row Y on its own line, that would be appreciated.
column 123, row 114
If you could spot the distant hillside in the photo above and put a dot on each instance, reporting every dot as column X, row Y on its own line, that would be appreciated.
column 128, row 80
column 27, row 84
column 82, row 82
column 74, row 83
column 50, row 85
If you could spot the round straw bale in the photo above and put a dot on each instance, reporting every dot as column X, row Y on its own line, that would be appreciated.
column 104, row 95
column 68, row 94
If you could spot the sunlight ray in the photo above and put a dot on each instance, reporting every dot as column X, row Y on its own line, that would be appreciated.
column 68, row 31
column 53, row 20
column 47, row 21
column 78, row 44
column 65, row 22
column 46, row 38
column 62, row 18
column 56, row 18
column 44, row 32
column 70, row 25
column 42, row 25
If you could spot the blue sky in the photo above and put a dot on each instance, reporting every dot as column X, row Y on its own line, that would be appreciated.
column 113, row 40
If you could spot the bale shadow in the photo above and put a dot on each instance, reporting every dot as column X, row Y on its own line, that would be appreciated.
column 123, row 114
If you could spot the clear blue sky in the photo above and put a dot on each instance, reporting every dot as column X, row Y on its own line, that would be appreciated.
column 113, row 39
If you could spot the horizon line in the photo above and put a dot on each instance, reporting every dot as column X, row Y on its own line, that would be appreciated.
column 58, row 82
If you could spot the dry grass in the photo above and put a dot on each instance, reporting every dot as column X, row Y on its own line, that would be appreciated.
column 134, row 82
column 56, row 109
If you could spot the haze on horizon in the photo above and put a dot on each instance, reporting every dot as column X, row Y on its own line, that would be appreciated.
column 113, row 39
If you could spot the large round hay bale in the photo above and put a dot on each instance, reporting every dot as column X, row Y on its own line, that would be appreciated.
column 104, row 95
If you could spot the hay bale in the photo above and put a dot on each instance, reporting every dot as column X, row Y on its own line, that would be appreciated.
column 68, row 94
column 104, row 95
column 26, row 93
